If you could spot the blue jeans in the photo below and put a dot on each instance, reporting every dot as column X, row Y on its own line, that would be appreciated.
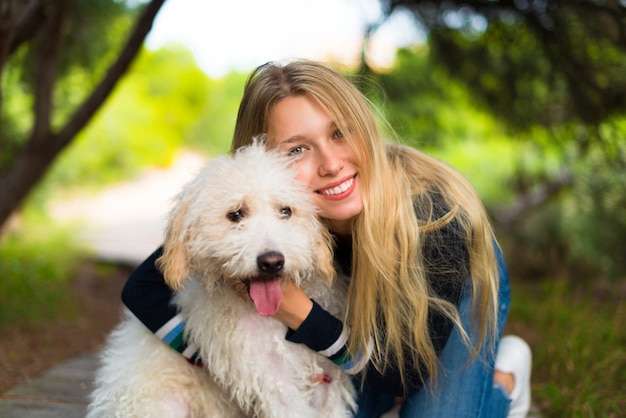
column 463, row 390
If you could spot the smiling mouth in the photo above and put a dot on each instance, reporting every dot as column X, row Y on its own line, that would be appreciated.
column 339, row 189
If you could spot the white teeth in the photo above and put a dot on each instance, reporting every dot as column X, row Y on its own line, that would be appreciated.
column 339, row 189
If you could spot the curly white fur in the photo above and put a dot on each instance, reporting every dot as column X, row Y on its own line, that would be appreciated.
column 236, row 209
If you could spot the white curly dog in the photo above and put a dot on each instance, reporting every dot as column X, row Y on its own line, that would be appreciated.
column 243, row 224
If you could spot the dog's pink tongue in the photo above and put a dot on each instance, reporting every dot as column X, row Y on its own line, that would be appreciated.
column 266, row 295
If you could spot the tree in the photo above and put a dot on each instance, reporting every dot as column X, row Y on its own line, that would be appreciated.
column 554, row 73
column 559, row 65
column 49, row 38
column 531, row 61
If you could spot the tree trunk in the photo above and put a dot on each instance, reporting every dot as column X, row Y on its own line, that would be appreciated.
column 43, row 146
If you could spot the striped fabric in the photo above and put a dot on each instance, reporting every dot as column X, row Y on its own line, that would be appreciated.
column 172, row 334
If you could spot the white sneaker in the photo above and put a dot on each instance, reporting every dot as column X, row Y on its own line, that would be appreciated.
column 514, row 356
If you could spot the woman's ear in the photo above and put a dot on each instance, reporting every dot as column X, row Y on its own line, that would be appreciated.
column 174, row 261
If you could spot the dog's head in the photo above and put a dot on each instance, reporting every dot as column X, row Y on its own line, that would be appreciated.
column 245, row 219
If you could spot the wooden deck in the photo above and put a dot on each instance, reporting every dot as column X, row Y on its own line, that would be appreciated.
column 61, row 392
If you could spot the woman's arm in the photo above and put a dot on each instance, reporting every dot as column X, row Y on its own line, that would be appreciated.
column 322, row 332
column 149, row 298
column 327, row 335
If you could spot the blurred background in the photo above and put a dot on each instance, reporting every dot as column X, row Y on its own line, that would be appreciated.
column 108, row 106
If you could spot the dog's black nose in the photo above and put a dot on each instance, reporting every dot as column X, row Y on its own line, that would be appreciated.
column 270, row 263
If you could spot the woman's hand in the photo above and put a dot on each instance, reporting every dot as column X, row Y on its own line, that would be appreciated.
column 294, row 307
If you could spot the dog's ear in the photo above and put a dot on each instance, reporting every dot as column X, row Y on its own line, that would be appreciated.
column 324, row 255
column 174, row 263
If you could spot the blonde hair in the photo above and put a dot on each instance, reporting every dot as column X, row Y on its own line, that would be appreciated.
column 390, row 294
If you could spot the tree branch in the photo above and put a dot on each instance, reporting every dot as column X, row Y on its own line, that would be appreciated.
column 7, row 24
column 32, row 18
column 7, row 28
column 46, row 71
column 115, row 72
column 19, row 26
column 531, row 200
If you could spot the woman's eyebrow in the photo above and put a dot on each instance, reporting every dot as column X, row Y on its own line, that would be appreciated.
column 291, row 139
column 288, row 142
column 336, row 124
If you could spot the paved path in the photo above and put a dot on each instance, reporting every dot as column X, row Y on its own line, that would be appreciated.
column 125, row 223
column 62, row 392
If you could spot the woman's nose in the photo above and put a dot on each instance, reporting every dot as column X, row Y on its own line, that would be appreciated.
column 330, row 163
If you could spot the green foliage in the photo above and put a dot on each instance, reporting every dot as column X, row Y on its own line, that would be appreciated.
column 16, row 118
column 93, row 34
column 36, row 263
column 580, row 231
column 565, row 64
column 165, row 103
column 426, row 107
column 487, row 164
column 577, row 336
column 99, row 24
column 93, row 39
column 214, row 129
column 439, row 115
column 151, row 114
column 593, row 214
column 501, row 75
column 432, row 112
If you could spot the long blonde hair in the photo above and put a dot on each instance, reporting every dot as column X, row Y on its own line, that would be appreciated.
column 390, row 294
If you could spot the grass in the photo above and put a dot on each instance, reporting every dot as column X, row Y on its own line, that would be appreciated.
column 36, row 264
column 578, row 340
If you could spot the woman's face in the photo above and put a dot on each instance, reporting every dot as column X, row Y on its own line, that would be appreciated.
column 325, row 162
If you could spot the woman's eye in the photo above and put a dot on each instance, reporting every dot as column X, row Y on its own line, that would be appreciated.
column 337, row 134
column 296, row 150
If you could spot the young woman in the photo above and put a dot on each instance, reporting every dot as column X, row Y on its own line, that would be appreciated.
column 429, row 290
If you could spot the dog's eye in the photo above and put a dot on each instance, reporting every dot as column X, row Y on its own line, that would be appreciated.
column 286, row 212
column 235, row 216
